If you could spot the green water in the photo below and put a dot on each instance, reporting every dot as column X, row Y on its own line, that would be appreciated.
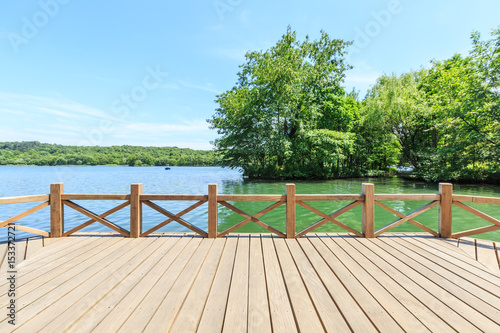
column 462, row 220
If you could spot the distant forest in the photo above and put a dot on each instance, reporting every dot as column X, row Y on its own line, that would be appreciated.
column 45, row 154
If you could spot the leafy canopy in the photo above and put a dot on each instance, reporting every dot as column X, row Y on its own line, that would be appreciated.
column 288, row 115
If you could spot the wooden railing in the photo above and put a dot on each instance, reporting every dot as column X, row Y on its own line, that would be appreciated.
column 24, row 199
column 445, row 200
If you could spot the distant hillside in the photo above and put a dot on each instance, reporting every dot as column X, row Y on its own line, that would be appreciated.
column 43, row 154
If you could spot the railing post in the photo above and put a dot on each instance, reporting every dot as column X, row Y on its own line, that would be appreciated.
column 212, row 211
column 368, row 213
column 56, row 210
column 290, row 210
column 445, row 209
column 135, row 210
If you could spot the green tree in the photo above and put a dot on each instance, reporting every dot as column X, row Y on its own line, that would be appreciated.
column 269, row 121
column 466, row 92
column 396, row 105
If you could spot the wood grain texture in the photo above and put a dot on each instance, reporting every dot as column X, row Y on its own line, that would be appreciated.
column 368, row 211
column 56, row 210
column 91, row 282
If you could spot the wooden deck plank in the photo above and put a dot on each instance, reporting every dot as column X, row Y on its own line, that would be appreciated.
column 44, row 259
column 333, row 302
column 125, row 276
column 353, row 299
column 20, row 252
column 38, row 268
column 497, row 245
column 35, row 244
column 189, row 315
column 236, row 317
column 486, row 255
column 58, row 247
column 166, row 313
column 85, row 321
column 42, row 284
column 469, row 293
column 467, row 245
column 409, row 300
column 336, row 308
column 305, row 311
column 441, row 245
column 120, row 311
column 282, row 316
column 259, row 318
column 449, row 243
column 139, row 319
column 451, row 274
column 47, row 308
column 255, row 282
column 4, row 264
column 212, row 318
column 3, row 253
column 351, row 272
column 459, row 313
column 42, row 290
column 482, row 278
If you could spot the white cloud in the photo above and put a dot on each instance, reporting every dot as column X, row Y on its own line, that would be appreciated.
column 208, row 87
column 56, row 106
column 187, row 127
column 169, row 86
column 58, row 120
column 16, row 112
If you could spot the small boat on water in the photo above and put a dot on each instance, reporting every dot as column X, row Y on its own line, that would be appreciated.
column 167, row 167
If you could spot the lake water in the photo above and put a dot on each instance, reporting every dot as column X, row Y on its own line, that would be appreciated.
column 18, row 181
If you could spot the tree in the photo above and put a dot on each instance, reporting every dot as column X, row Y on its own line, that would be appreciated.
column 466, row 91
column 287, row 103
column 396, row 105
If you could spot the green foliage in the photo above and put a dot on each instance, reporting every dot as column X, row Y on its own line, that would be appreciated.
column 288, row 116
column 397, row 106
column 44, row 154
column 446, row 119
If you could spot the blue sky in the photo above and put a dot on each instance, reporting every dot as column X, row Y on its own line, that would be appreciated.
column 147, row 72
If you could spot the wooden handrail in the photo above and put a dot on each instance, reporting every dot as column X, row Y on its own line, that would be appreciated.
column 368, row 199
column 95, row 197
column 22, row 199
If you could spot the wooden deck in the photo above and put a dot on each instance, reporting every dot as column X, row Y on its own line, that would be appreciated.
column 257, row 283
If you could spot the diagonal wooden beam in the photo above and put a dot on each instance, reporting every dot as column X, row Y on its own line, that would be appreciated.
column 412, row 221
column 164, row 223
column 478, row 213
column 253, row 219
column 330, row 218
column 475, row 231
column 94, row 216
column 89, row 222
column 24, row 214
column 175, row 218
column 410, row 216
column 33, row 231
column 247, row 220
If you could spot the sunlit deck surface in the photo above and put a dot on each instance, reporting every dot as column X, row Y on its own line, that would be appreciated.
column 257, row 283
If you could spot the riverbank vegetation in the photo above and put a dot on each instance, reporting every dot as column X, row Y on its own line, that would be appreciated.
column 44, row 154
column 288, row 115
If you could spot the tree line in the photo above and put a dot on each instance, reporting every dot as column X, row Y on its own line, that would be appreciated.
column 288, row 116
column 44, row 154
